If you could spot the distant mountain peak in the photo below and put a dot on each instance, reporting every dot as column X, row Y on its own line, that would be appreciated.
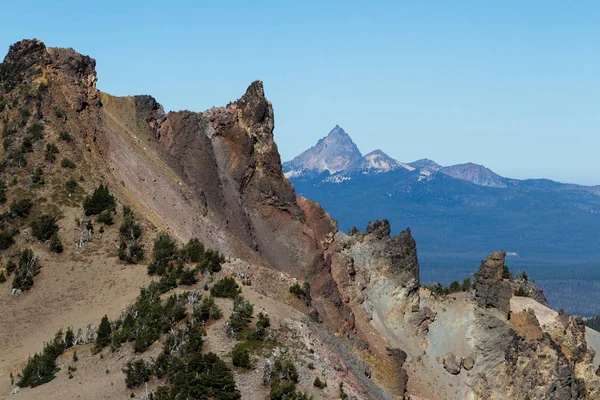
column 333, row 153
column 379, row 161
column 475, row 173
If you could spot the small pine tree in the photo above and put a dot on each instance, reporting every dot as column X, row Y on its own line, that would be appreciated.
column 2, row 277
column 104, row 334
column 99, row 201
column 56, row 245
column 70, row 339
column 240, row 356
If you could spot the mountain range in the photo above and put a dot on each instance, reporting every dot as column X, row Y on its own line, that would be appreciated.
column 454, row 212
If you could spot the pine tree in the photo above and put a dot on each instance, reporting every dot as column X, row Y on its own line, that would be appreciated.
column 104, row 333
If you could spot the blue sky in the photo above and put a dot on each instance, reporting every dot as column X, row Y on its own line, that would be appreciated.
column 512, row 85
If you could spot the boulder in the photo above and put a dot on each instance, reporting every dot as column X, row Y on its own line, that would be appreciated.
column 468, row 363
column 452, row 364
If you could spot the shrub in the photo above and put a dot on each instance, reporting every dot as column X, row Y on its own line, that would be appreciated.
column 37, row 176
column 226, row 287
column 59, row 113
column 105, row 217
column 521, row 292
column 99, row 201
column 71, row 185
column 68, row 163
column 26, row 270
column 318, row 383
column 56, row 245
column 21, row 208
column 65, row 137
column 137, row 373
column 240, row 356
column 51, row 152
column 302, row 292
column 2, row 277
column 36, row 131
column 6, row 239
column 44, row 227
column 11, row 267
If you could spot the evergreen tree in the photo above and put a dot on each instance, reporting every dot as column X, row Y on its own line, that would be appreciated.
column 104, row 334
column 100, row 200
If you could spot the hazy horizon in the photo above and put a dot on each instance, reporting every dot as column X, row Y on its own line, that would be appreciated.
column 511, row 86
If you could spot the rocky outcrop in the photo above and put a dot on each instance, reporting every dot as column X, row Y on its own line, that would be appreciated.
column 530, row 289
column 490, row 289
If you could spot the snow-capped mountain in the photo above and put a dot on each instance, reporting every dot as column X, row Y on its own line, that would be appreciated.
column 333, row 153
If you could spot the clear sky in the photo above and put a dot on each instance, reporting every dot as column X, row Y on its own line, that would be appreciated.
column 513, row 85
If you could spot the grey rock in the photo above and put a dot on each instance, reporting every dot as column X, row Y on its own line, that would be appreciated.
column 490, row 289
column 452, row 364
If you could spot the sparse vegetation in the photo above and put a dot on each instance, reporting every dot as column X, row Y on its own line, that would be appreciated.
column 284, row 378
column 7, row 238
column 68, row 163
column 302, row 292
column 318, row 383
column 71, row 185
column 65, row 137
column 21, row 208
column 51, row 152
column 37, row 176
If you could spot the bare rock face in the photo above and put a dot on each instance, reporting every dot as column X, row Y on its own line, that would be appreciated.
column 490, row 288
